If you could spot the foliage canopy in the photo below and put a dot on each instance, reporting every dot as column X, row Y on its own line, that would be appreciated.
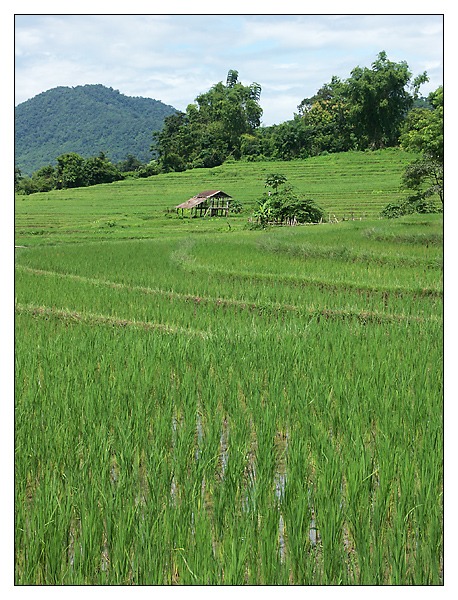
column 211, row 129
column 378, row 100
column 72, row 171
column 286, row 204
column 423, row 132
column 364, row 111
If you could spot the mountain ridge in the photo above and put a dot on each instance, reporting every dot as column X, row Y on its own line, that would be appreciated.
column 86, row 119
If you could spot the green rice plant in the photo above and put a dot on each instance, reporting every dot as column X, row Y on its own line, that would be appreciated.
column 358, row 498
column 204, row 410
column 300, row 532
column 326, row 498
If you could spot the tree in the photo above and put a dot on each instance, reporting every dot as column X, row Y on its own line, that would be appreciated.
column 171, row 143
column 274, row 180
column 289, row 139
column 211, row 130
column 424, row 133
column 98, row 169
column 42, row 180
column 329, row 92
column 70, row 170
column 378, row 100
column 235, row 206
column 264, row 212
column 17, row 176
column 286, row 204
column 425, row 177
column 45, row 178
column 291, row 205
column 26, row 186
column 148, row 170
column 130, row 163
column 325, row 120
column 250, row 145
column 231, row 79
column 423, row 129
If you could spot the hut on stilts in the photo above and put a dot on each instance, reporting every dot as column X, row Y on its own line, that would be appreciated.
column 213, row 203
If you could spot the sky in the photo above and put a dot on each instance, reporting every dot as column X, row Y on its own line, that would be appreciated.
column 176, row 57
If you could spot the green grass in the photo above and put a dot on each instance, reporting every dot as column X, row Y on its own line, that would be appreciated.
column 361, row 183
column 227, row 407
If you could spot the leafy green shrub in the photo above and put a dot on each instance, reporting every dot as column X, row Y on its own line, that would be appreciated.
column 148, row 170
column 287, row 205
column 296, row 206
column 414, row 204
column 254, row 225
column 235, row 206
column 26, row 186
column 423, row 206
column 393, row 210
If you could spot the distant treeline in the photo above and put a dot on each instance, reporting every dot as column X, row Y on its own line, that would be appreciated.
column 367, row 110
column 73, row 170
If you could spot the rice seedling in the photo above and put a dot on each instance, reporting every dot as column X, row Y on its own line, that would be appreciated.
column 207, row 410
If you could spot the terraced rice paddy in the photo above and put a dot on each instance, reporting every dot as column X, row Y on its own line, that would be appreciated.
column 232, row 408
column 357, row 183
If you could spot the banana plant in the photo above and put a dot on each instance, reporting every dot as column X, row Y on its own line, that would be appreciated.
column 264, row 211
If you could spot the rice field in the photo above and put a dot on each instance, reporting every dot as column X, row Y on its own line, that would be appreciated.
column 231, row 407
column 345, row 184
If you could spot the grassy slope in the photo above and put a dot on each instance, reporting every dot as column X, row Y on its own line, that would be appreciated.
column 358, row 182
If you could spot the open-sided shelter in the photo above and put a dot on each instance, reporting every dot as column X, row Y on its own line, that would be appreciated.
column 212, row 203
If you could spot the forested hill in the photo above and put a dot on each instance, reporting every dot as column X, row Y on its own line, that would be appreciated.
column 87, row 120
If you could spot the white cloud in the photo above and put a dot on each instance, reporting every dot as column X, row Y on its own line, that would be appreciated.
column 173, row 58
